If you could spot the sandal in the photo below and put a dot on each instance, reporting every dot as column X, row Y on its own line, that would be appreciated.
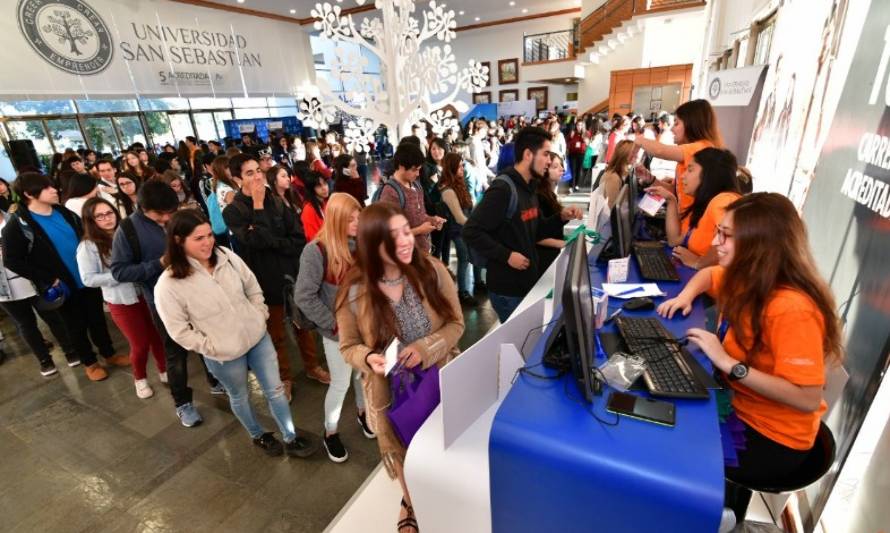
column 409, row 521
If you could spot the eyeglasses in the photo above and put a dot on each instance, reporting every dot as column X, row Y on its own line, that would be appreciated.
column 722, row 236
column 103, row 216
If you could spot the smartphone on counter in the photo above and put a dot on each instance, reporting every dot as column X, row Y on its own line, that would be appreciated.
column 646, row 409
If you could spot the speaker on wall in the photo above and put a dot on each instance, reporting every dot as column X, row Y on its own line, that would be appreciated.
column 23, row 155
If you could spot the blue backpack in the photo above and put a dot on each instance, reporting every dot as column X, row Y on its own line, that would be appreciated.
column 214, row 213
column 476, row 258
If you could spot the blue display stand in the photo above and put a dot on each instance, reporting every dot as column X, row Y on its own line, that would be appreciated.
column 290, row 125
column 554, row 467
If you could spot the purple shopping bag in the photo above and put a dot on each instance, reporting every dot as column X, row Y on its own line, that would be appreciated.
column 415, row 393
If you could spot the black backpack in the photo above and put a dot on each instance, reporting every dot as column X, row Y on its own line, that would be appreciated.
column 476, row 258
column 292, row 311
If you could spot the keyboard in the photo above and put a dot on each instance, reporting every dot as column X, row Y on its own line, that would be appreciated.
column 669, row 367
column 654, row 263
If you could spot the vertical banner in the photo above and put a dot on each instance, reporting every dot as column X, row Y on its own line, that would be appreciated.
column 847, row 212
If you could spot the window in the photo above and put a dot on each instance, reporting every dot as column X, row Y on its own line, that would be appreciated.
column 220, row 117
column 253, row 112
column 32, row 129
column 101, row 135
column 743, row 52
column 131, row 131
column 210, row 103
column 107, row 106
column 764, row 40
column 206, row 126
column 163, row 104
column 37, row 107
column 65, row 133
column 281, row 102
column 159, row 128
column 283, row 112
column 248, row 102
column 181, row 124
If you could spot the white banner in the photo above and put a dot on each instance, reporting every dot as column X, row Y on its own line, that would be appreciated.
column 518, row 107
column 86, row 48
column 733, row 87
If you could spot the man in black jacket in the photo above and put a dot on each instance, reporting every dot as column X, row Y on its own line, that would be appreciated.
column 509, row 243
column 270, row 240
column 40, row 244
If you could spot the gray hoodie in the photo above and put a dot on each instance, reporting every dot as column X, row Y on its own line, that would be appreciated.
column 314, row 295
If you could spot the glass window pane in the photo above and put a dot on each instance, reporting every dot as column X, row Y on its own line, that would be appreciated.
column 258, row 112
column 106, row 106
column 163, row 104
column 100, row 133
column 210, row 103
column 373, row 66
column 206, row 127
column 286, row 101
column 182, row 125
column 159, row 129
column 32, row 129
column 283, row 112
column 131, row 130
column 66, row 134
column 220, row 117
column 248, row 102
column 37, row 107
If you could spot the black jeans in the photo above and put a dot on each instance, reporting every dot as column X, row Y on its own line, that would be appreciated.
column 762, row 461
column 22, row 313
column 97, row 326
column 177, row 364
column 575, row 161
column 82, row 317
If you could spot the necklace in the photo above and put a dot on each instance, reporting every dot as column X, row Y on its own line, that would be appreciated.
column 393, row 282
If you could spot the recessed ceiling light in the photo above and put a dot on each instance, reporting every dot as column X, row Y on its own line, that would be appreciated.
column 512, row 3
column 461, row 12
column 477, row 19
column 525, row 10
column 292, row 11
column 240, row 1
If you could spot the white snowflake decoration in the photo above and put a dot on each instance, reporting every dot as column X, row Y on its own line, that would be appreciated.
column 421, row 77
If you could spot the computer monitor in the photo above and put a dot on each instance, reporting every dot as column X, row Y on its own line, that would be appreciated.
column 622, row 224
column 577, row 319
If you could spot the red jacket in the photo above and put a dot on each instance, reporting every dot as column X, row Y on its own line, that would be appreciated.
column 312, row 221
column 577, row 144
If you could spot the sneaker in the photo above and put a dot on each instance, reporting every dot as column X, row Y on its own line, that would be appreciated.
column 320, row 375
column 218, row 389
column 188, row 415
column 300, row 447
column 727, row 521
column 143, row 389
column 163, row 377
column 269, row 444
column 336, row 451
column 95, row 372
column 363, row 423
column 117, row 360
column 47, row 369
column 73, row 362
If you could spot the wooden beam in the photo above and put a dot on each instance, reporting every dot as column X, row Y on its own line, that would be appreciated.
column 520, row 19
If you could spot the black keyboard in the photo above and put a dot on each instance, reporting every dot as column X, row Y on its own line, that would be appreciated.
column 669, row 367
column 654, row 263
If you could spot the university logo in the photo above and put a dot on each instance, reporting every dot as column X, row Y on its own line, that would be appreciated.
column 69, row 34
column 714, row 88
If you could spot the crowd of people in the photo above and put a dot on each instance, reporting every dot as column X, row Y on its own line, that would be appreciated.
column 219, row 251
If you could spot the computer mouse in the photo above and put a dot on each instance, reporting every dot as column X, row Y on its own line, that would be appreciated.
column 639, row 304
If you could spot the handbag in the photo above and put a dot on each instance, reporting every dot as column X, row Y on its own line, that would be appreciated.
column 415, row 394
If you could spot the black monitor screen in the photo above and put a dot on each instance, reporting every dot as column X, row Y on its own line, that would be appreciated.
column 622, row 227
column 577, row 307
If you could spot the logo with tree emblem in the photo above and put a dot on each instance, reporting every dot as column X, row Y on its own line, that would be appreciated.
column 69, row 34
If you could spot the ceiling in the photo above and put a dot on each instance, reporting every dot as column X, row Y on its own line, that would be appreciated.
column 487, row 11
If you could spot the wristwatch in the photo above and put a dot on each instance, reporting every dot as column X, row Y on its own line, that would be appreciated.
column 738, row 371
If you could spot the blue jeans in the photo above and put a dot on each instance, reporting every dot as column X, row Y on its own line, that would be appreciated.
column 263, row 361
column 464, row 272
column 504, row 305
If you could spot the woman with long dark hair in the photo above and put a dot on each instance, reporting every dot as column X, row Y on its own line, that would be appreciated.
column 126, row 304
column 550, row 244
column 316, row 163
column 323, row 267
column 459, row 203
column 179, row 186
column 429, row 181
column 130, row 162
column 7, row 196
column 81, row 187
column 313, row 206
column 396, row 292
column 711, row 181
column 778, row 331
column 279, row 181
column 695, row 128
column 126, row 197
column 616, row 172
column 211, row 303
column 347, row 178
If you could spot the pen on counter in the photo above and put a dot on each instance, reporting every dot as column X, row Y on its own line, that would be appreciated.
column 630, row 291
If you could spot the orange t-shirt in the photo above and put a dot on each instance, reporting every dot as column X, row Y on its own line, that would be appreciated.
column 703, row 234
column 793, row 332
column 689, row 149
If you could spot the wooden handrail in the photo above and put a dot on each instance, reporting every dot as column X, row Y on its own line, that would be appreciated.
column 613, row 13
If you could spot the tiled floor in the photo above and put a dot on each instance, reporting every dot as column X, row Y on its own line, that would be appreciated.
column 92, row 457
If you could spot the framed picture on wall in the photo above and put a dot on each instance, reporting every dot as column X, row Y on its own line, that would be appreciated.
column 487, row 64
column 539, row 95
column 508, row 95
column 482, row 98
column 508, row 71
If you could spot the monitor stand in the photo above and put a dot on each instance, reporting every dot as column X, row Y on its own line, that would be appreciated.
column 557, row 357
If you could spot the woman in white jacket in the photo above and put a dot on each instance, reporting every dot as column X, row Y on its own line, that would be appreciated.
column 211, row 303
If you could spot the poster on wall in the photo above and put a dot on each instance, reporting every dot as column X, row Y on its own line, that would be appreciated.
column 146, row 47
column 802, row 43
column 847, row 211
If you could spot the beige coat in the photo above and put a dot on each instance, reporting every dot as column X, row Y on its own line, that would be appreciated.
column 355, row 325
column 220, row 315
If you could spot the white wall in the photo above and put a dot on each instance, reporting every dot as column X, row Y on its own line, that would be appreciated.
column 506, row 42
column 594, row 88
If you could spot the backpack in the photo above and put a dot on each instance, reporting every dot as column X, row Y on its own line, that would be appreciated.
column 392, row 183
column 476, row 258
column 214, row 213
column 132, row 238
column 26, row 228
column 292, row 311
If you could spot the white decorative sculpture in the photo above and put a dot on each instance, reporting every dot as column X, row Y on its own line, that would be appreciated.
column 419, row 79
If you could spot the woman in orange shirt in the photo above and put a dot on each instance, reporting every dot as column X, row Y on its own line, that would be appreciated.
column 694, row 129
column 711, row 181
column 778, row 329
